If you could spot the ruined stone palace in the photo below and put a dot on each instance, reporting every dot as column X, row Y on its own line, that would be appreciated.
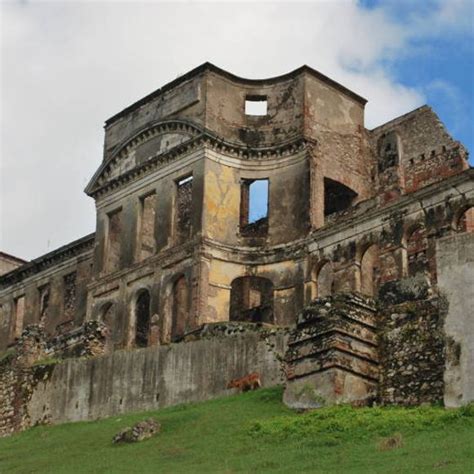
column 265, row 202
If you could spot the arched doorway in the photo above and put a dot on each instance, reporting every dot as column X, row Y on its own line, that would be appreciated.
column 142, row 318
column 325, row 281
column 180, row 308
column 369, row 269
column 107, row 316
column 251, row 300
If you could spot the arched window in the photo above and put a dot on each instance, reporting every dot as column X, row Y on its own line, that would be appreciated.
column 251, row 300
column 142, row 318
column 369, row 268
column 180, row 308
column 466, row 221
column 325, row 280
column 417, row 246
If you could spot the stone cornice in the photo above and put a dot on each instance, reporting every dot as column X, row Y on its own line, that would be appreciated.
column 73, row 249
column 100, row 186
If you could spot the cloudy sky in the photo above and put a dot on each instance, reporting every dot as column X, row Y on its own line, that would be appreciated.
column 68, row 66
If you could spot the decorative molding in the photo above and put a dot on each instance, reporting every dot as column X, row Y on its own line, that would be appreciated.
column 100, row 185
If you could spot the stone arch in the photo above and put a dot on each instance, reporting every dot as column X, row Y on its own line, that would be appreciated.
column 416, row 239
column 180, row 302
column 251, row 300
column 369, row 270
column 325, row 279
column 465, row 220
column 107, row 315
column 142, row 317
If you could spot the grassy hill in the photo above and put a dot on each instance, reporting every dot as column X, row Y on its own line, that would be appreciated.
column 255, row 432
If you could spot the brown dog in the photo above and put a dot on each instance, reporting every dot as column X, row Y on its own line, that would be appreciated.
column 244, row 384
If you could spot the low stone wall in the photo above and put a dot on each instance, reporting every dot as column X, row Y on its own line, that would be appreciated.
column 141, row 379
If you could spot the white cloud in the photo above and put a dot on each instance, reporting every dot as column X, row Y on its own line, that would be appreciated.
column 66, row 67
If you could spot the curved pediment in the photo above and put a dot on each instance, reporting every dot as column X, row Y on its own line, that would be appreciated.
column 145, row 145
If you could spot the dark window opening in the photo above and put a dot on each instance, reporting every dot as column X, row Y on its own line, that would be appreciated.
column 142, row 319
column 256, row 105
column 388, row 153
column 251, row 300
column 180, row 308
column 44, row 293
column 337, row 197
column 184, row 207
column 254, row 207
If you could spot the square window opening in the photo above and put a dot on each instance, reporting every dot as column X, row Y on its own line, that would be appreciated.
column 256, row 105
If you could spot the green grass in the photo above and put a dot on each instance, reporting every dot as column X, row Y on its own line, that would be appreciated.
column 254, row 432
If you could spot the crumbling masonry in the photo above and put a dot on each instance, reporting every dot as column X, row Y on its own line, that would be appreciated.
column 234, row 202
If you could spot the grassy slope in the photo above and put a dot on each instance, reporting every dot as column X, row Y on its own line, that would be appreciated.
column 252, row 432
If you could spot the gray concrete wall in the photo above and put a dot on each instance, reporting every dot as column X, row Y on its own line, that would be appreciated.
column 455, row 260
column 152, row 378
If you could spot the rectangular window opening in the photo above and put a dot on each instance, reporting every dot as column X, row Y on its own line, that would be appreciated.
column 19, row 308
column 44, row 294
column 113, row 249
column 146, row 232
column 254, row 207
column 256, row 105
column 69, row 295
column 184, row 197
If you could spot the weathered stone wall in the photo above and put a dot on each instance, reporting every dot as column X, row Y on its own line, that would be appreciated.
column 411, row 344
column 332, row 353
column 144, row 379
column 426, row 152
column 66, row 273
column 455, row 259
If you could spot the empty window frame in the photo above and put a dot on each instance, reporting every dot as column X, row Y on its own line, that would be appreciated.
column 251, row 300
column 337, row 197
column 142, row 319
column 146, row 227
column 254, row 207
column 184, row 195
column 69, row 296
column 44, row 295
column 19, row 314
column 256, row 105
column 113, row 247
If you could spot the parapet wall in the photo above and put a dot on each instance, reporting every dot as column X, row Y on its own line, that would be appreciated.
column 138, row 380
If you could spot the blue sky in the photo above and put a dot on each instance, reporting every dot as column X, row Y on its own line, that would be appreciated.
column 68, row 66
column 442, row 66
